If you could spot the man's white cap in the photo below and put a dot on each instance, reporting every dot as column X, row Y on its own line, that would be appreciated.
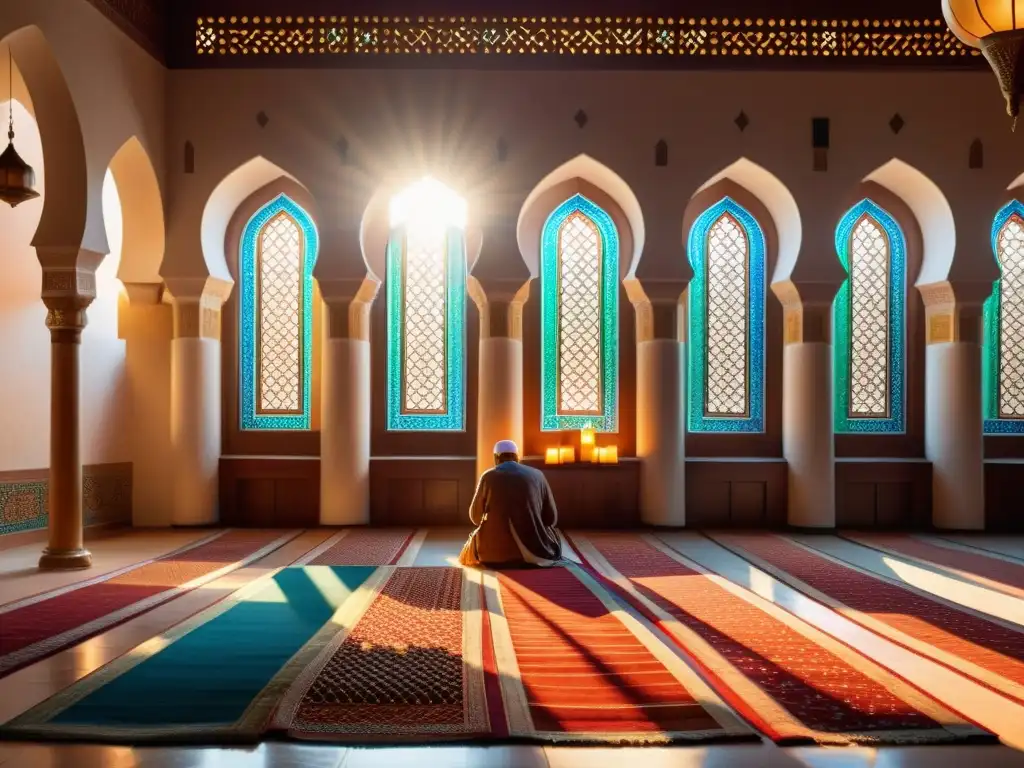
column 505, row 446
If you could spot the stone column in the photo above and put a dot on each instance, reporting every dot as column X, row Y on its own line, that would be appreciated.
column 69, row 287
column 499, row 413
column 953, row 432
column 808, row 439
column 345, row 402
column 661, row 399
column 196, row 397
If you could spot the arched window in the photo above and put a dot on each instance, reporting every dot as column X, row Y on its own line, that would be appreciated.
column 426, row 305
column 1004, row 327
column 869, row 318
column 579, row 318
column 278, row 251
column 726, row 355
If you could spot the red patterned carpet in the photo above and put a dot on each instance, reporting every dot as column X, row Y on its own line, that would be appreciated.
column 827, row 694
column 995, row 648
column 366, row 546
column 37, row 627
column 548, row 660
column 402, row 671
column 976, row 563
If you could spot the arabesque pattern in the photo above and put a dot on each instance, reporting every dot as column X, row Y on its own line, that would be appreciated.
column 280, row 316
column 869, row 320
column 1011, row 319
column 424, row 307
column 727, row 342
column 277, row 254
column 579, row 316
column 672, row 39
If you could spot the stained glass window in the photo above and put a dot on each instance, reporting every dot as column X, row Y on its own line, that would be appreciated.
column 727, row 297
column 869, row 317
column 1003, row 369
column 277, row 254
column 426, row 290
column 580, row 318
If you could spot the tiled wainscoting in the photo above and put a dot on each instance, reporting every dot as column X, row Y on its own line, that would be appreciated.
column 24, row 500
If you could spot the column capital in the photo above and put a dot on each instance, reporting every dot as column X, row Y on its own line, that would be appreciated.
column 197, row 305
column 68, row 288
column 806, row 309
column 145, row 294
column 500, row 303
column 660, row 307
column 953, row 309
column 348, row 302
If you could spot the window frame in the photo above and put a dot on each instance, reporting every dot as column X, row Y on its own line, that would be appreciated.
column 844, row 423
column 697, row 418
column 552, row 418
column 251, row 416
column 993, row 422
column 397, row 419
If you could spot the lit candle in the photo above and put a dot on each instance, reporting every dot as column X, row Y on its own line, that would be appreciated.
column 586, row 444
column 595, row 455
column 566, row 454
column 551, row 456
column 610, row 454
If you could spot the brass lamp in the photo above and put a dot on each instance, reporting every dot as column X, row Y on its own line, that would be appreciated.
column 997, row 28
column 17, row 178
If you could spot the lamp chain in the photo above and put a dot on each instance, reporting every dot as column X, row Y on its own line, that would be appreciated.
column 10, row 93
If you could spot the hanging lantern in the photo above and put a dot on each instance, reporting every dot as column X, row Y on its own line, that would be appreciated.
column 17, row 178
column 997, row 28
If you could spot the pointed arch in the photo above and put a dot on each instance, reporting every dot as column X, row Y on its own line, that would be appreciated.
column 73, row 207
column 726, row 249
column 931, row 212
column 579, row 273
column 870, row 320
column 142, row 214
column 278, row 251
column 581, row 172
column 1003, row 367
column 225, row 199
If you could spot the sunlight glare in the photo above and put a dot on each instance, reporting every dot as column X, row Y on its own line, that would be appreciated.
column 427, row 205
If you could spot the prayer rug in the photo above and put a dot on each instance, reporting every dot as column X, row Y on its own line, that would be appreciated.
column 989, row 570
column 217, row 676
column 412, row 667
column 573, row 666
column 985, row 648
column 39, row 626
column 368, row 546
column 792, row 681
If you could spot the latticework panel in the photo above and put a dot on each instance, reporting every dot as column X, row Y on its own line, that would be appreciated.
column 1011, row 319
column 669, row 38
column 727, row 301
column 280, row 316
column 579, row 316
column 424, row 310
column 869, row 320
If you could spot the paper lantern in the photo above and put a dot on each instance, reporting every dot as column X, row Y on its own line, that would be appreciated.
column 997, row 28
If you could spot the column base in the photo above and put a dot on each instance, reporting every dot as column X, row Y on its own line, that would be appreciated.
column 67, row 560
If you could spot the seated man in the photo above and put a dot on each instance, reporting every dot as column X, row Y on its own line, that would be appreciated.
column 515, row 516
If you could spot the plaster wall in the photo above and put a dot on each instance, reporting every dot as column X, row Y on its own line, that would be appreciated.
column 25, row 340
column 397, row 125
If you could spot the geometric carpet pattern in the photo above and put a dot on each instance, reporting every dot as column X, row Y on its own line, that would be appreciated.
column 668, row 638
